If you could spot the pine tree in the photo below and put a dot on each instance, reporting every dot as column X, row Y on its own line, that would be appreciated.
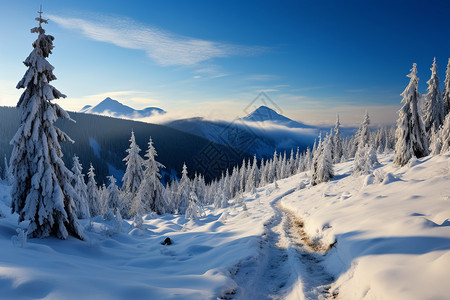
column 322, row 166
column 93, row 194
column 113, row 202
column 133, row 177
column 410, row 133
column 81, row 202
column 337, row 141
column 7, row 173
column 444, row 135
column 183, row 192
column 433, row 112
column 150, row 195
column 446, row 93
column 41, row 191
column 364, row 132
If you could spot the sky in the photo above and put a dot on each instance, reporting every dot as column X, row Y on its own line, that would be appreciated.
column 313, row 59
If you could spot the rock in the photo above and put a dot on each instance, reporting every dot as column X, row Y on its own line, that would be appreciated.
column 167, row 241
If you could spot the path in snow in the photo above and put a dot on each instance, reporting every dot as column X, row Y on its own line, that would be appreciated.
column 286, row 267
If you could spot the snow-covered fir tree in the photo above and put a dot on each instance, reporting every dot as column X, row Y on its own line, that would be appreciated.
column 446, row 93
column 337, row 142
column 194, row 210
column 42, row 193
column 81, row 202
column 132, row 178
column 440, row 142
column 433, row 108
column 364, row 132
column 322, row 166
column 183, row 192
column 8, row 176
column 93, row 194
column 410, row 133
column 113, row 201
column 151, row 191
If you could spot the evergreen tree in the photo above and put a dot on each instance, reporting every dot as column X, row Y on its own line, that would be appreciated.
column 81, row 202
column 337, row 142
column 151, row 191
column 364, row 132
column 410, row 133
column 133, row 176
column 322, row 166
column 433, row 109
column 93, row 194
column 183, row 192
column 42, row 193
column 444, row 135
column 113, row 202
column 7, row 173
column 446, row 94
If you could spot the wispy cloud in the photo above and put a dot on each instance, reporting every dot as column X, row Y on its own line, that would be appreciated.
column 164, row 47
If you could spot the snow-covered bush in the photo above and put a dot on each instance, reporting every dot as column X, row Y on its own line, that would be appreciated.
column 19, row 240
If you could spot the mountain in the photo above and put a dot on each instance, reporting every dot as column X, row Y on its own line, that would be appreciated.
column 103, row 141
column 261, row 132
column 114, row 108
column 266, row 114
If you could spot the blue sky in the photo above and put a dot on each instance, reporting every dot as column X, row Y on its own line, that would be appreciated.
column 211, row 58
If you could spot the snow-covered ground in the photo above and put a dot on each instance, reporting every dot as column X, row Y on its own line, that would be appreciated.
column 392, row 234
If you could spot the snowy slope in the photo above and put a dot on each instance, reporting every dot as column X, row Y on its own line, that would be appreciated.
column 114, row 108
column 392, row 232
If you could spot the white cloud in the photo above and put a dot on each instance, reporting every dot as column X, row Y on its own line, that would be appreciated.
column 163, row 47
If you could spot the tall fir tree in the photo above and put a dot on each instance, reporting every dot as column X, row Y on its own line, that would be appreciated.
column 410, row 133
column 42, row 193
column 433, row 108
column 322, row 166
column 93, row 194
column 183, row 192
column 133, row 176
column 446, row 93
column 151, row 192
column 81, row 202
column 337, row 141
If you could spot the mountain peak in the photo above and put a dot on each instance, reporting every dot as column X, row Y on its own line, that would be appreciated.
column 114, row 108
column 267, row 114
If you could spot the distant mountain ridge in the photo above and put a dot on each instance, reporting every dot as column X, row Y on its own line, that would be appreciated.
column 114, row 108
column 254, row 133
column 266, row 114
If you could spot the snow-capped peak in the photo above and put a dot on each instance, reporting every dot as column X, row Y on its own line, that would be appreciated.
column 264, row 114
column 114, row 108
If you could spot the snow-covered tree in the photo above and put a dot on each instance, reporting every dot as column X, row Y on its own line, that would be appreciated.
column 42, row 193
column 365, row 160
column 113, row 202
column 183, row 192
column 433, row 108
column 337, row 141
column 151, row 191
column 322, row 166
column 364, row 132
column 442, row 138
column 133, row 176
column 194, row 210
column 81, row 202
column 410, row 133
column 93, row 195
column 446, row 93
column 7, row 173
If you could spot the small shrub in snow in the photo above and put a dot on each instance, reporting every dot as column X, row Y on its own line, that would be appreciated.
column 301, row 185
column 19, row 240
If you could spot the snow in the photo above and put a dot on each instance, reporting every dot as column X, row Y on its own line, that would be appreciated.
column 392, row 233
